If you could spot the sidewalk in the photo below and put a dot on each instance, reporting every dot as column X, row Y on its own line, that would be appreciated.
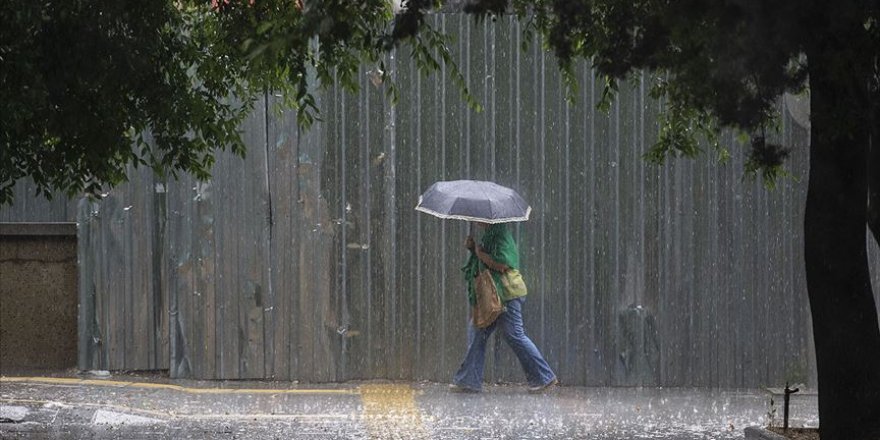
column 136, row 407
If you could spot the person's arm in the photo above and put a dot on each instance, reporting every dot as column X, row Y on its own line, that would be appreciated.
column 489, row 262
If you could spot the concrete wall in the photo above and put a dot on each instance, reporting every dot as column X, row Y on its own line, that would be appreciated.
column 38, row 300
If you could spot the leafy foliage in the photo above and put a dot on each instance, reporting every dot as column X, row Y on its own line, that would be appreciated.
column 722, row 63
column 85, row 82
column 93, row 87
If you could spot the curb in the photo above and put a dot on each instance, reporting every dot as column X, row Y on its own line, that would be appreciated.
column 757, row 433
column 180, row 388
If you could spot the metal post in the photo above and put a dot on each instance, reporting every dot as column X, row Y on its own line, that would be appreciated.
column 788, row 393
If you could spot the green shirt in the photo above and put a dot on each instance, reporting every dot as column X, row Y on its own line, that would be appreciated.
column 498, row 242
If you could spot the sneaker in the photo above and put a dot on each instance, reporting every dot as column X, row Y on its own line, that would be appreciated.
column 455, row 388
column 542, row 388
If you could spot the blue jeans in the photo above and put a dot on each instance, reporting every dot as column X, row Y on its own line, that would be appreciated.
column 470, row 374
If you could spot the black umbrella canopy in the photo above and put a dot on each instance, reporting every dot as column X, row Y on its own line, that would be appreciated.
column 474, row 200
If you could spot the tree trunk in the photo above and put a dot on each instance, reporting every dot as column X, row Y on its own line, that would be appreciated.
column 845, row 326
column 874, row 161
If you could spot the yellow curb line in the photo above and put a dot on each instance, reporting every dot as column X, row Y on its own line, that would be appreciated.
column 169, row 414
column 190, row 390
column 390, row 411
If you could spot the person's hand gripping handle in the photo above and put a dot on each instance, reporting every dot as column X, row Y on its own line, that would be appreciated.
column 469, row 243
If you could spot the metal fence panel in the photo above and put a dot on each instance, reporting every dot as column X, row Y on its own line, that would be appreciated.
column 307, row 261
column 28, row 207
column 123, row 319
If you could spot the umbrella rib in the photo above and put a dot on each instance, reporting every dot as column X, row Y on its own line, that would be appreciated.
column 489, row 199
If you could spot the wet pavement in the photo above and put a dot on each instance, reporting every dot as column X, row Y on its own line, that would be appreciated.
column 132, row 407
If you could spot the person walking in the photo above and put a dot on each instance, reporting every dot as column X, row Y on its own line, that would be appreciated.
column 498, row 253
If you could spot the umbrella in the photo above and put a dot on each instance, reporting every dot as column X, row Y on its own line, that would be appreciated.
column 474, row 200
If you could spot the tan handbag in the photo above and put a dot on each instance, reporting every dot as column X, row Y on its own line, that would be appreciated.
column 488, row 306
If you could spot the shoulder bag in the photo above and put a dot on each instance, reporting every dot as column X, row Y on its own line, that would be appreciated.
column 488, row 306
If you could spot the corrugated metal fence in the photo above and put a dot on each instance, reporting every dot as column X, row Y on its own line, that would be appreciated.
column 30, row 208
column 307, row 261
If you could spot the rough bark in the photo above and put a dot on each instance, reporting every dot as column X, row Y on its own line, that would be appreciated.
column 874, row 164
column 845, row 326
